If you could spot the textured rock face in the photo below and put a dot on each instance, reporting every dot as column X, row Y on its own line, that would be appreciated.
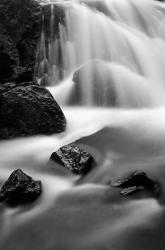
column 28, row 109
column 20, row 28
column 75, row 159
column 20, row 188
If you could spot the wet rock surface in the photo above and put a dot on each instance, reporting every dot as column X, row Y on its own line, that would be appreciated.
column 75, row 159
column 137, row 181
column 20, row 28
column 28, row 109
column 20, row 188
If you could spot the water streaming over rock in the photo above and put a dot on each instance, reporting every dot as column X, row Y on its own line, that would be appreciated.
column 104, row 63
column 112, row 50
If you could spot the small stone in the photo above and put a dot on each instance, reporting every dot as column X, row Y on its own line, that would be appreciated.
column 77, row 160
column 20, row 188
column 137, row 181
column 137, row 178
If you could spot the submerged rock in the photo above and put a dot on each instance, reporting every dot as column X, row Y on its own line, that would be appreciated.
column 28, row 109
column 137, row 181
column 77, row 160
column 137, row 178
column 93, row 82
column 20, row 188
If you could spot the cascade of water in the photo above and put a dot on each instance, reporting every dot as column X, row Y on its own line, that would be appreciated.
column 126, row 37
column 95, row 53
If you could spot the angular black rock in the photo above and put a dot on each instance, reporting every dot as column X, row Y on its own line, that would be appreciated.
column 28, row 109
column 77, row 160
column 137, row 181
column 20, row 188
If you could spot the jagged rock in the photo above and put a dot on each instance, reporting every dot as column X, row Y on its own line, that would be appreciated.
column 77, row 160
column 137, row 181
column 28, row 109
column 97, row 79
column 20, row 28
column 20, row 188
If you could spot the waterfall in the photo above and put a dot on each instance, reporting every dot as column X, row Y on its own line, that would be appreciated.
column 108, row 53
column 104, row 63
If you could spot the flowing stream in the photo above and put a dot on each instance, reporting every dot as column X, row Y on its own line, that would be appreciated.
column 104, row 63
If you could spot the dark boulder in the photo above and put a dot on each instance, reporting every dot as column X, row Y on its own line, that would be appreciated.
column 75, row 159
column 95, row 79
column 20, row 28
column 137, row 181
column 20, row 188
column 28, row 109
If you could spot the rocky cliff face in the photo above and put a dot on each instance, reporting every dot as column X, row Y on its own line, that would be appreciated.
column 20, row 28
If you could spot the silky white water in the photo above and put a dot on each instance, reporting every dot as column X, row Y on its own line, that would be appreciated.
column 118, row 45
column 115, row 110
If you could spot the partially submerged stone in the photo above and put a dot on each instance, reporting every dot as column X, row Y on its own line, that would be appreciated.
column 20, row 188
column 137, row 181
column 77, row 160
